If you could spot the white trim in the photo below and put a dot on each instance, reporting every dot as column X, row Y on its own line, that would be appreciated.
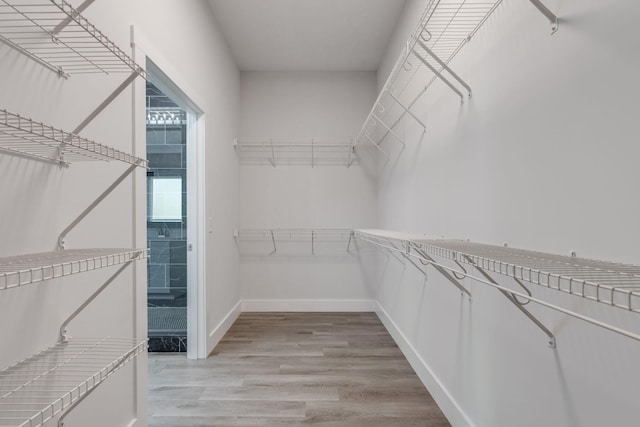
column 310, row 305
column 221, row 329
column 447, row 403
column 199, row 239
column 196, row 289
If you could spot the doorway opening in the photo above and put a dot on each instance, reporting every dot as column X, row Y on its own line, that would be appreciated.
column 167, row 222
column 175, row 218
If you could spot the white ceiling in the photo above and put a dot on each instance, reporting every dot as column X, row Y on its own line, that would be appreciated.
column 306, row 35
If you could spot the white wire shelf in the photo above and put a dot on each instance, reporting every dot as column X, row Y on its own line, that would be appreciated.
column 36, row 389
column 609, row 283
column 445, row 27
column 612, row 284
column 287, row 241
column 54, row 34
column 25, row 137
column 617, row 285
column 301, row 151
column 33, row 268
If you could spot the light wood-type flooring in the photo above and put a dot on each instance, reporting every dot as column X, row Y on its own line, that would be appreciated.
column 293, row 369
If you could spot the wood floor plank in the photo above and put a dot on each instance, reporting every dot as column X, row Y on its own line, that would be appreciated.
column 293, row 369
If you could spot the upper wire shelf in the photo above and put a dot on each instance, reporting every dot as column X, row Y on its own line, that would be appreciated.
column 301, row 151
column 443, row 29
column 315, row 241
column 56, row 35
column 26, row 269
column 36, row 389
column 25, row 137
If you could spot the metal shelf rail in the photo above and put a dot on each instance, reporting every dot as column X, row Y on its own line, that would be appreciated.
column 25, row 137
column 313, row 239
column 444, row 28
column 57, row 36
column 38, row 388
column 33, row 268
column 301, row 151
column 611, row 284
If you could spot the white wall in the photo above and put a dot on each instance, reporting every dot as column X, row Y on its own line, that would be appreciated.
column 283, row 105
column 39, row 200
column 543, row 157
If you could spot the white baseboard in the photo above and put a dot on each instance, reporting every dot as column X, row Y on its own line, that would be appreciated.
column 450, row 407
column 221, row 329
column 311, row 305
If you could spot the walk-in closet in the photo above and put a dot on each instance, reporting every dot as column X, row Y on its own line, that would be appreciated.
column 319, row 212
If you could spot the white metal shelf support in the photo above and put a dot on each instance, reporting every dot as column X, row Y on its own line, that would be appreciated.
column 64, row 337
column 66, row 21
column 553, row 19
column 389, row 130
column 442, row 271
column 407, row 110
column 439, row 75
column 95, row 203
column 520, row 306
column 443, row 65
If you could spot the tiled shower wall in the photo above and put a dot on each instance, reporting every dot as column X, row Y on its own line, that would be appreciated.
column 167, row 267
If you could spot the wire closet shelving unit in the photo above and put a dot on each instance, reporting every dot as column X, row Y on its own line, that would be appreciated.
column 611, row 284
column 51, row 383
column 444, row 28
column 287, row 241
column 57, row 36
column 298, row 151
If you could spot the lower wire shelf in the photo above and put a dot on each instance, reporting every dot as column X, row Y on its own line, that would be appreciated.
column 36, row 389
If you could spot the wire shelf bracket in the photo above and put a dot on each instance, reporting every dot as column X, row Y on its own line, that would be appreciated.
column 66, row 21
column 64, row 336
column 430, row 261
column 442, row 64
column 520, row 306
column 553, row 19
column 93, row 205
column 407, row 110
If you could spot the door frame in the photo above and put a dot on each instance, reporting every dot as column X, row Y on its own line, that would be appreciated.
column 196, row 289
